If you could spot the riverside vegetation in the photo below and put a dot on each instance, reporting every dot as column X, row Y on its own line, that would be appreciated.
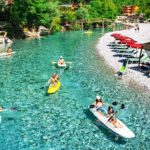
column 49, row 13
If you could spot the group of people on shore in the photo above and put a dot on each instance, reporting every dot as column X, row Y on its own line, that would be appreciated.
column 109, row 113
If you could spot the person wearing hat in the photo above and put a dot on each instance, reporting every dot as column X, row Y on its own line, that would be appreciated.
column 61, row 61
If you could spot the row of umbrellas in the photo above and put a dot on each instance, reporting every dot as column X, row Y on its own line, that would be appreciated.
column 127, row 41
column 131, row 42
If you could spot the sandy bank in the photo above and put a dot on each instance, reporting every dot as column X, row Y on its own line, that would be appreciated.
column 131, row 75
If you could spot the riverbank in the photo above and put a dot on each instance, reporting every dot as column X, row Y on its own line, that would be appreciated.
column 131, row 75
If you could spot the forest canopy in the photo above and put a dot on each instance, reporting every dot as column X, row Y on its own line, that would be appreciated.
column 54, row 13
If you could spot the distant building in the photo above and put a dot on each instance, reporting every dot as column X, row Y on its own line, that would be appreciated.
column 130, row 10
column 8, row 2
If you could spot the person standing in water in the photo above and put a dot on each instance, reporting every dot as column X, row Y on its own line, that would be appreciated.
column 9, row 50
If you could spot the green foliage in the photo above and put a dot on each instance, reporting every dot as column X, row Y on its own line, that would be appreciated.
column 69, row 15
column 55, row 24
column 82, row 13
column 76, row 26
column 103, row 9
column 34, row 13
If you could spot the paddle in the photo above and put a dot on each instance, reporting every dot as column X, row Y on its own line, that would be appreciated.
column 121, row 107
column 58, row 75
column 113, row 103
column 67, row 62
column 6, row 109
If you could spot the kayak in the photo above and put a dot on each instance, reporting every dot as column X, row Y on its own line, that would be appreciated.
column 88, row 32
column 121, row 130
column 6, row 54
column 61, row 65
column 55, row 88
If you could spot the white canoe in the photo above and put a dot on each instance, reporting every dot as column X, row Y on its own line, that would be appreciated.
column 6, row 54
column 122, row 131
column 61, row 65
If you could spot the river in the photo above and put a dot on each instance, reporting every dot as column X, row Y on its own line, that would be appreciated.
column 62, row 121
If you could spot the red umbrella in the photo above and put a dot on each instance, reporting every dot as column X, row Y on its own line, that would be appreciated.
column 136, row 45
column 126, row 41
column 115, row 34
column 120, row 37
column 129, row 43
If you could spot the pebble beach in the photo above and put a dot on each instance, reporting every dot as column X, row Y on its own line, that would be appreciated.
column 134, row 76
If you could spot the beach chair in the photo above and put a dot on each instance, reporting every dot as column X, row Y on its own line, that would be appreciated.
column 144, row 58
column 118, row 46
column 128, row 50
column 132, row 53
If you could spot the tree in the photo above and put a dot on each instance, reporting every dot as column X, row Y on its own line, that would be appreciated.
column 33, row 13
column 82, row 13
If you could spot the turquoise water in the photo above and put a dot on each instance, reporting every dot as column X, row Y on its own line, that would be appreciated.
column 62, row 121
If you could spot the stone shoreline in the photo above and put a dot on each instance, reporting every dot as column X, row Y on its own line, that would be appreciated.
column 131, row 75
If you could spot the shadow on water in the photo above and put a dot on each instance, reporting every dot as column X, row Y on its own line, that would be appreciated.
column 110, row 135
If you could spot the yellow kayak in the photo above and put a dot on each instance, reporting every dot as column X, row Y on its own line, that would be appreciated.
column 55, row 88
column 88, row 32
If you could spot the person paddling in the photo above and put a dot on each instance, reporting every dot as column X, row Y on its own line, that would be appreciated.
column 53, row 80
column 112, row 117
column 61, row 61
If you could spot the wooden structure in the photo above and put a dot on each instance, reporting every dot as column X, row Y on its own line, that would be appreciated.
column 95, row 23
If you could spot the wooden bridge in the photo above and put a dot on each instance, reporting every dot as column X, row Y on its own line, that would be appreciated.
column 100, row 22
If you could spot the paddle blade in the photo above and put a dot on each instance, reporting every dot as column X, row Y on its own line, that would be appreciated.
column 67, row 68
column 114, row 103
column 53, row 62
column 122, row 106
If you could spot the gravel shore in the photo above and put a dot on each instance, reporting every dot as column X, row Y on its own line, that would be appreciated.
column 134, row 76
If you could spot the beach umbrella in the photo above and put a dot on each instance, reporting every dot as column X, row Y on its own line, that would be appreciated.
column 115, row 34
column 136, row 45
column 146, row 46
column 131, row 42
column 126, row 41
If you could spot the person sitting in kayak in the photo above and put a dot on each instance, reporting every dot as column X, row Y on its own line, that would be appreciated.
column 112, row 117
column 54, row 79
column 61, row 61
column 99, row 105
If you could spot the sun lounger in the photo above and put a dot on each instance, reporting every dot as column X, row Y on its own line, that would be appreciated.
column 128, row 50
column 129, row 54
column 144, row 58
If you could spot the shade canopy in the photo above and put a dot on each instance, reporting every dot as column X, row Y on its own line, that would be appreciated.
column 146, row 46
column 136, row 45
column 126, row 41
column 115, row 34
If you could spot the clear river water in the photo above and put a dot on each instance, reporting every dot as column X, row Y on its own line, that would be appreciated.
column 62, row 121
